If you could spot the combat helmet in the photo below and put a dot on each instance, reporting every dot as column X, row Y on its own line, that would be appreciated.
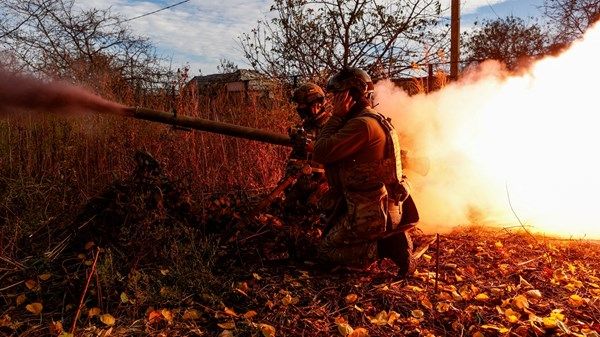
column 354, row 79
column 308, row 93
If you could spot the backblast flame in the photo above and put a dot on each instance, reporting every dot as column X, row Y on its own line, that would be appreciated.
column 509, row 149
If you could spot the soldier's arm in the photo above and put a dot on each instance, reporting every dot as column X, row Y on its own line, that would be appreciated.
column 337, row 140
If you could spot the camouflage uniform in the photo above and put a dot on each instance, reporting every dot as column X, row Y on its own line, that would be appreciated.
column 361, row 155
column 303, row 195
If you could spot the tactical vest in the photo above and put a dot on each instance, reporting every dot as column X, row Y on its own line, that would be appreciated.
column 387, row 172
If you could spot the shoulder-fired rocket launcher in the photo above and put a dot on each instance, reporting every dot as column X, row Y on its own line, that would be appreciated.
column 418, row 165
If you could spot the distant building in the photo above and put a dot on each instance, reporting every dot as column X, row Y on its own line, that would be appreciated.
column 242, row 81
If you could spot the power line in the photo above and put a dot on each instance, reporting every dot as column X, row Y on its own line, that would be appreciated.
column 156, row 11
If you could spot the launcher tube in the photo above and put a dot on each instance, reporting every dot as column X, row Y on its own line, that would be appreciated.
column 209, row 126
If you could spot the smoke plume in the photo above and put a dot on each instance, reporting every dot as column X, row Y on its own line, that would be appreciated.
column 23, row 93
column 508, row 149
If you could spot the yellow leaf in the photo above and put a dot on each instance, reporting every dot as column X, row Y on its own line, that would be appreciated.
column 124, row 298
column 351, row 298
column 267, row 330
column 191, row 314
column 380, row 319
column 31, row 285
column 45, row 277
column 417, row 314
column 65, row 334
column 344, row 328
column 250, row 314
column 21, row 299
column 549, row 322
column 167, row 314
column 575, row 300
column 107, row 319
column 482, row 297
column 498, row 244
column 557, row 313
column 359, row 332
column 227, row 325
column 392, row 317
column 521, row 302
column 426, row 257
column 94, row 312
column 511, row 315
column 34, row 308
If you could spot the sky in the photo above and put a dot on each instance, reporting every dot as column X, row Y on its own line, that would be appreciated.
column 200, row 33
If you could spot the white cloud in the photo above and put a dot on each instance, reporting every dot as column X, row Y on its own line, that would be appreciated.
column 198, row 32
column 201, row 32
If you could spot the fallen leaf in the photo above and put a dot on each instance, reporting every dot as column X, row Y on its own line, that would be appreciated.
column 94, row 312
column 575, row 300
column 417, row 314
column 229, row 312
column 380, row 319
column 511, row 315
column 154, row 316
column 191, row 314
column 289, row 300
column 521, row 302
column 351, row 298
column 89, row 245
column 107, row 319
column 482, row 297
column 226, row 333
column 21, row 299
column 227, row 325
column 392, row 317
column 267, row 330
column 34, row 308
column 56, row 328
column 426, row 303
column 167, row 314
column 498, row 244
column 442, row 307
column 45, row 277
column 534, row 293
column 250, row 314
column 31, row 285
column 359, row 332
column 256, row 276
column 124, row 298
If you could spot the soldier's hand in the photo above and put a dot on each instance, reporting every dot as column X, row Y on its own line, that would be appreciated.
column 342, row 102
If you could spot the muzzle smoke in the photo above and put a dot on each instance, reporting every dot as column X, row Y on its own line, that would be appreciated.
column 22, row 93
column 509, row 149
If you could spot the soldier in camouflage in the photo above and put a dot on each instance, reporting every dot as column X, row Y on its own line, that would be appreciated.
column 311, row 183
column 360, row 151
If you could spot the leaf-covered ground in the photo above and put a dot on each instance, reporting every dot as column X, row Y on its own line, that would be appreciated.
column 143, row 259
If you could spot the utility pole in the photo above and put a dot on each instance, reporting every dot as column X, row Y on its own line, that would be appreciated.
column 454, row 39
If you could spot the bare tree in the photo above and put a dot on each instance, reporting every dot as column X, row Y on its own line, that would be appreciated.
column 51, row 37
column 312, row 38
column 571, row 18
column 509, row 40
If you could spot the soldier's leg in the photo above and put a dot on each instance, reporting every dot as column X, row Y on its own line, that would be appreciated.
column 339, row 247
column 398, row 247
